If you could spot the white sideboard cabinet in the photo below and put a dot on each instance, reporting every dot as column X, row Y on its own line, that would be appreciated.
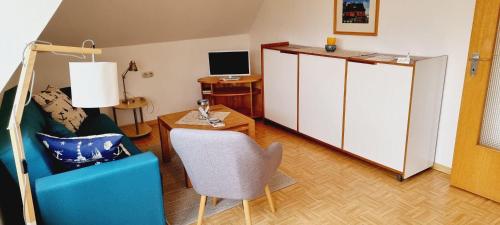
column 376, row 112
column 280, row 87
column 392, row 112
column 321, row 97
column 384, row 112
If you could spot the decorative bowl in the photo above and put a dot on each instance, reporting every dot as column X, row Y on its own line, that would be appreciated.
column 330, row 48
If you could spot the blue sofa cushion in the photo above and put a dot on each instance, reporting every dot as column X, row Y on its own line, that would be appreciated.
column 122, row 192
column 78, row 152
column 57, row 129
column 102, row 124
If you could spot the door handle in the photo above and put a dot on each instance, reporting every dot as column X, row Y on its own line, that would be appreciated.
column 474, row 63
column 475, row 59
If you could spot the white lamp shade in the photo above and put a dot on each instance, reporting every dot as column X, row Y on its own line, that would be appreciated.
column 94, row 84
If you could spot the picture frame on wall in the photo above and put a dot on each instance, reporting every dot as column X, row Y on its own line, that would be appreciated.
column 356, row 17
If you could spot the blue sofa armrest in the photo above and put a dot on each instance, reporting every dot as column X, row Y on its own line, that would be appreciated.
column 123, row 192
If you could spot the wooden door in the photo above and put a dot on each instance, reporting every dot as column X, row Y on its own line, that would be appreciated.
column 280, row 87
column 376, row 112
column 476, row 163
column 321, row 98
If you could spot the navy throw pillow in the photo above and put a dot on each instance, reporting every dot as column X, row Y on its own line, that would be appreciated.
column 78, row 152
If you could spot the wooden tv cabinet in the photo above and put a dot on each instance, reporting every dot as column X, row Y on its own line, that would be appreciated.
column 243, row 95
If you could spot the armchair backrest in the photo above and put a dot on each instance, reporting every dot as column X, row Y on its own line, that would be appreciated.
column 224, row 164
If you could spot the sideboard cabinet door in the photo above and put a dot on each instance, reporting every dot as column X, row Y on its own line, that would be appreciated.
column 321, row 98
column 377, row 111
column 280, row 87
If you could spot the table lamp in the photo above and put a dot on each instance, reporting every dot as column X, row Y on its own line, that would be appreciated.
column 93, row 84
column 131, row 67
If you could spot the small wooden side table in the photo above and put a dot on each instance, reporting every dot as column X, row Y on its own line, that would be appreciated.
column 138, row 129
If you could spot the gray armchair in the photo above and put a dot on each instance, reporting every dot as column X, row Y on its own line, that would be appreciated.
column 226, row 164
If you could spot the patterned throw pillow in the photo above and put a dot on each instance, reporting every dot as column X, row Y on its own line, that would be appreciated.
column 58, row 104
column 78, row 152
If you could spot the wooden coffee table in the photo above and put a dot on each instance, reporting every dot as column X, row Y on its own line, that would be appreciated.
column 235, row 121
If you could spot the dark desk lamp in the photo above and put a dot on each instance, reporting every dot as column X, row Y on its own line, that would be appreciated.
column 131, row 67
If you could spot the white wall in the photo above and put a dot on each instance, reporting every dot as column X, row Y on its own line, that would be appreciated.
column 176, row 66
column 423, row 27
column 21, row 21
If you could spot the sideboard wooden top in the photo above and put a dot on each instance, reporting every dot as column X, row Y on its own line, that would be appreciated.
column 353, row 56
column 299, row 49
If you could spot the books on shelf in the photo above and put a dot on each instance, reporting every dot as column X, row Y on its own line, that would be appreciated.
column 206, row 92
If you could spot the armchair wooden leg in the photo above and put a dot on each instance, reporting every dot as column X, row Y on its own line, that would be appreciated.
column 246, row 209
column 201, row 211
column 270, row 198
column 214, row 201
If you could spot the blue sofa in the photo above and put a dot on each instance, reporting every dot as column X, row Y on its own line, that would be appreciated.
column 123, row 192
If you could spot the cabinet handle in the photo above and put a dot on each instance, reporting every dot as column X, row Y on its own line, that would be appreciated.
column 362, row 61
column 289, row 52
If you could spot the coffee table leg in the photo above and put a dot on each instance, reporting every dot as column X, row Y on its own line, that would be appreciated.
column 187, row 180
column 165, row 141
column 251, row 129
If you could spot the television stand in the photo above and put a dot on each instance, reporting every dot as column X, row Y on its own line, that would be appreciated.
column 243, row 95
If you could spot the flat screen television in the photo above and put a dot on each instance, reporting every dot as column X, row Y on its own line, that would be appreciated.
column 229, row 63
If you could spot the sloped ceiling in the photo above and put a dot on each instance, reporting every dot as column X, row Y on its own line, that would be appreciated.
column 129, row 22
column 21, row 22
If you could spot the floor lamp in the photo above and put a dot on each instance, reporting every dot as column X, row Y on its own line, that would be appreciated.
column 93, row 84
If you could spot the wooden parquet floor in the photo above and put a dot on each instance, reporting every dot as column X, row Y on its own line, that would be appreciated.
column 334, row 188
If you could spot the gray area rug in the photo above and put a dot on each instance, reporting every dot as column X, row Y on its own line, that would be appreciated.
column 181, row 204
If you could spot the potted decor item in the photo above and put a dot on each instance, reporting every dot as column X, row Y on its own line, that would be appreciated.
column 331, row 44
column 203, row 108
